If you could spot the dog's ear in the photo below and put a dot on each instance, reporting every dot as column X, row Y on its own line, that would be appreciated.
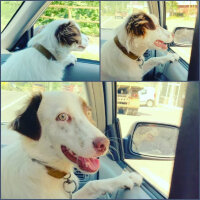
column 87, row 111
column 138, row 23
column 27, row 122
column 68, row 33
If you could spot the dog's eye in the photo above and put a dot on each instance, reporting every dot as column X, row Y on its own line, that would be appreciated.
column 89, row 113
column 63, row 117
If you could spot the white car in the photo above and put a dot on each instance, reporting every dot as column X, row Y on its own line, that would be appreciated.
column 147, row 96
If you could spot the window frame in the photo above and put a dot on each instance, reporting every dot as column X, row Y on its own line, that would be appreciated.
column 13, row 16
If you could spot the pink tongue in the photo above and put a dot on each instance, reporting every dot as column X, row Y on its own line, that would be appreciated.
column 88, row 164
column 161, row 44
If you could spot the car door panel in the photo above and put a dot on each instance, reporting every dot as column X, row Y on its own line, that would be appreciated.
column 84, row 70
column 111, row 169
column 175, row 71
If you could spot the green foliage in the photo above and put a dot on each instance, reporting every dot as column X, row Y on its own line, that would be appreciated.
column 91, row 29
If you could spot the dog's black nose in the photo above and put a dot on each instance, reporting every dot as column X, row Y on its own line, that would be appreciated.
column 101, row 144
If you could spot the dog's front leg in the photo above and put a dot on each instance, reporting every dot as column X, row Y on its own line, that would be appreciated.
column 153, row 62
column 94, row 189
column 71, row 59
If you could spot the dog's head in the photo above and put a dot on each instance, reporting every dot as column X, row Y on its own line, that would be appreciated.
column 62, row 33
column 69, row 34
column 59, row 126
column 144, row 31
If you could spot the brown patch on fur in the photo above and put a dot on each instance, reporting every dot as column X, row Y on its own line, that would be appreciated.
column 27, row 122
column 68, row 33
column 138, row 23
column 87, row 111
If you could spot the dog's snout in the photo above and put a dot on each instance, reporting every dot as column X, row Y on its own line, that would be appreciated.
column 101, row 144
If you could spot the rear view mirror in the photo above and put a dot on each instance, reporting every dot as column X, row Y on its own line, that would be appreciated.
column 183, row 37
column 155, row 140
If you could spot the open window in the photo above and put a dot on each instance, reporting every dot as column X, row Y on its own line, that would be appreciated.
column 20, row 29
column 178, row 17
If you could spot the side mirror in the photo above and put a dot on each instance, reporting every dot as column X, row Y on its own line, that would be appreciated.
column 151, row 141
column 182, row 37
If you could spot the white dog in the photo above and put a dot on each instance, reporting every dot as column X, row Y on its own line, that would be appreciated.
column 122, row 57
column 47, row 55
column 56, row 134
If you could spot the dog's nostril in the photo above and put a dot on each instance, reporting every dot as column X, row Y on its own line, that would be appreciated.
column 101, row 144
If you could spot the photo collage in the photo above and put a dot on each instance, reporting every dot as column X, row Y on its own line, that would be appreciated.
column 90, row 91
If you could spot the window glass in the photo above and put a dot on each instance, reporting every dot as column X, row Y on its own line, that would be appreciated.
column 181, row 14
column 15, row 94
column 8, row 9
column 85, row 13
column 150, row 105
column 113, row 13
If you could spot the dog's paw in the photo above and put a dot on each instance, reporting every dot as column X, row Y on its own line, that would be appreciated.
column 173, row 57
column 73, row 59
column 131, row 179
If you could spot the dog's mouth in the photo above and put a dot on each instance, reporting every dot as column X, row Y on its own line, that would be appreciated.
column 161, row 44
column 90, row 165
column 81, row 47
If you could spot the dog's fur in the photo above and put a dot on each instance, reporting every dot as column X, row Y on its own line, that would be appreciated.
column 59, row 37
column 137, row 34
column 41, row 134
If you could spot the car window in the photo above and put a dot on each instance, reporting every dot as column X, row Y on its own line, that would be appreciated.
column 15, row 94
column 85, row 13
column 8, row 10
column 181, row 14
column 146, row 104
column 113, row 13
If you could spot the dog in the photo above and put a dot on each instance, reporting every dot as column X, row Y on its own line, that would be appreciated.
column 56, row 133
column 122, row 57
column 47, row 55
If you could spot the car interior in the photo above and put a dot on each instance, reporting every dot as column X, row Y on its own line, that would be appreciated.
column 16, row 35
column 177, row 71
column 102, row 99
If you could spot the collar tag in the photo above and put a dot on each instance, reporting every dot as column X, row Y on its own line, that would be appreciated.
column 69, row 185
column 142, row 62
